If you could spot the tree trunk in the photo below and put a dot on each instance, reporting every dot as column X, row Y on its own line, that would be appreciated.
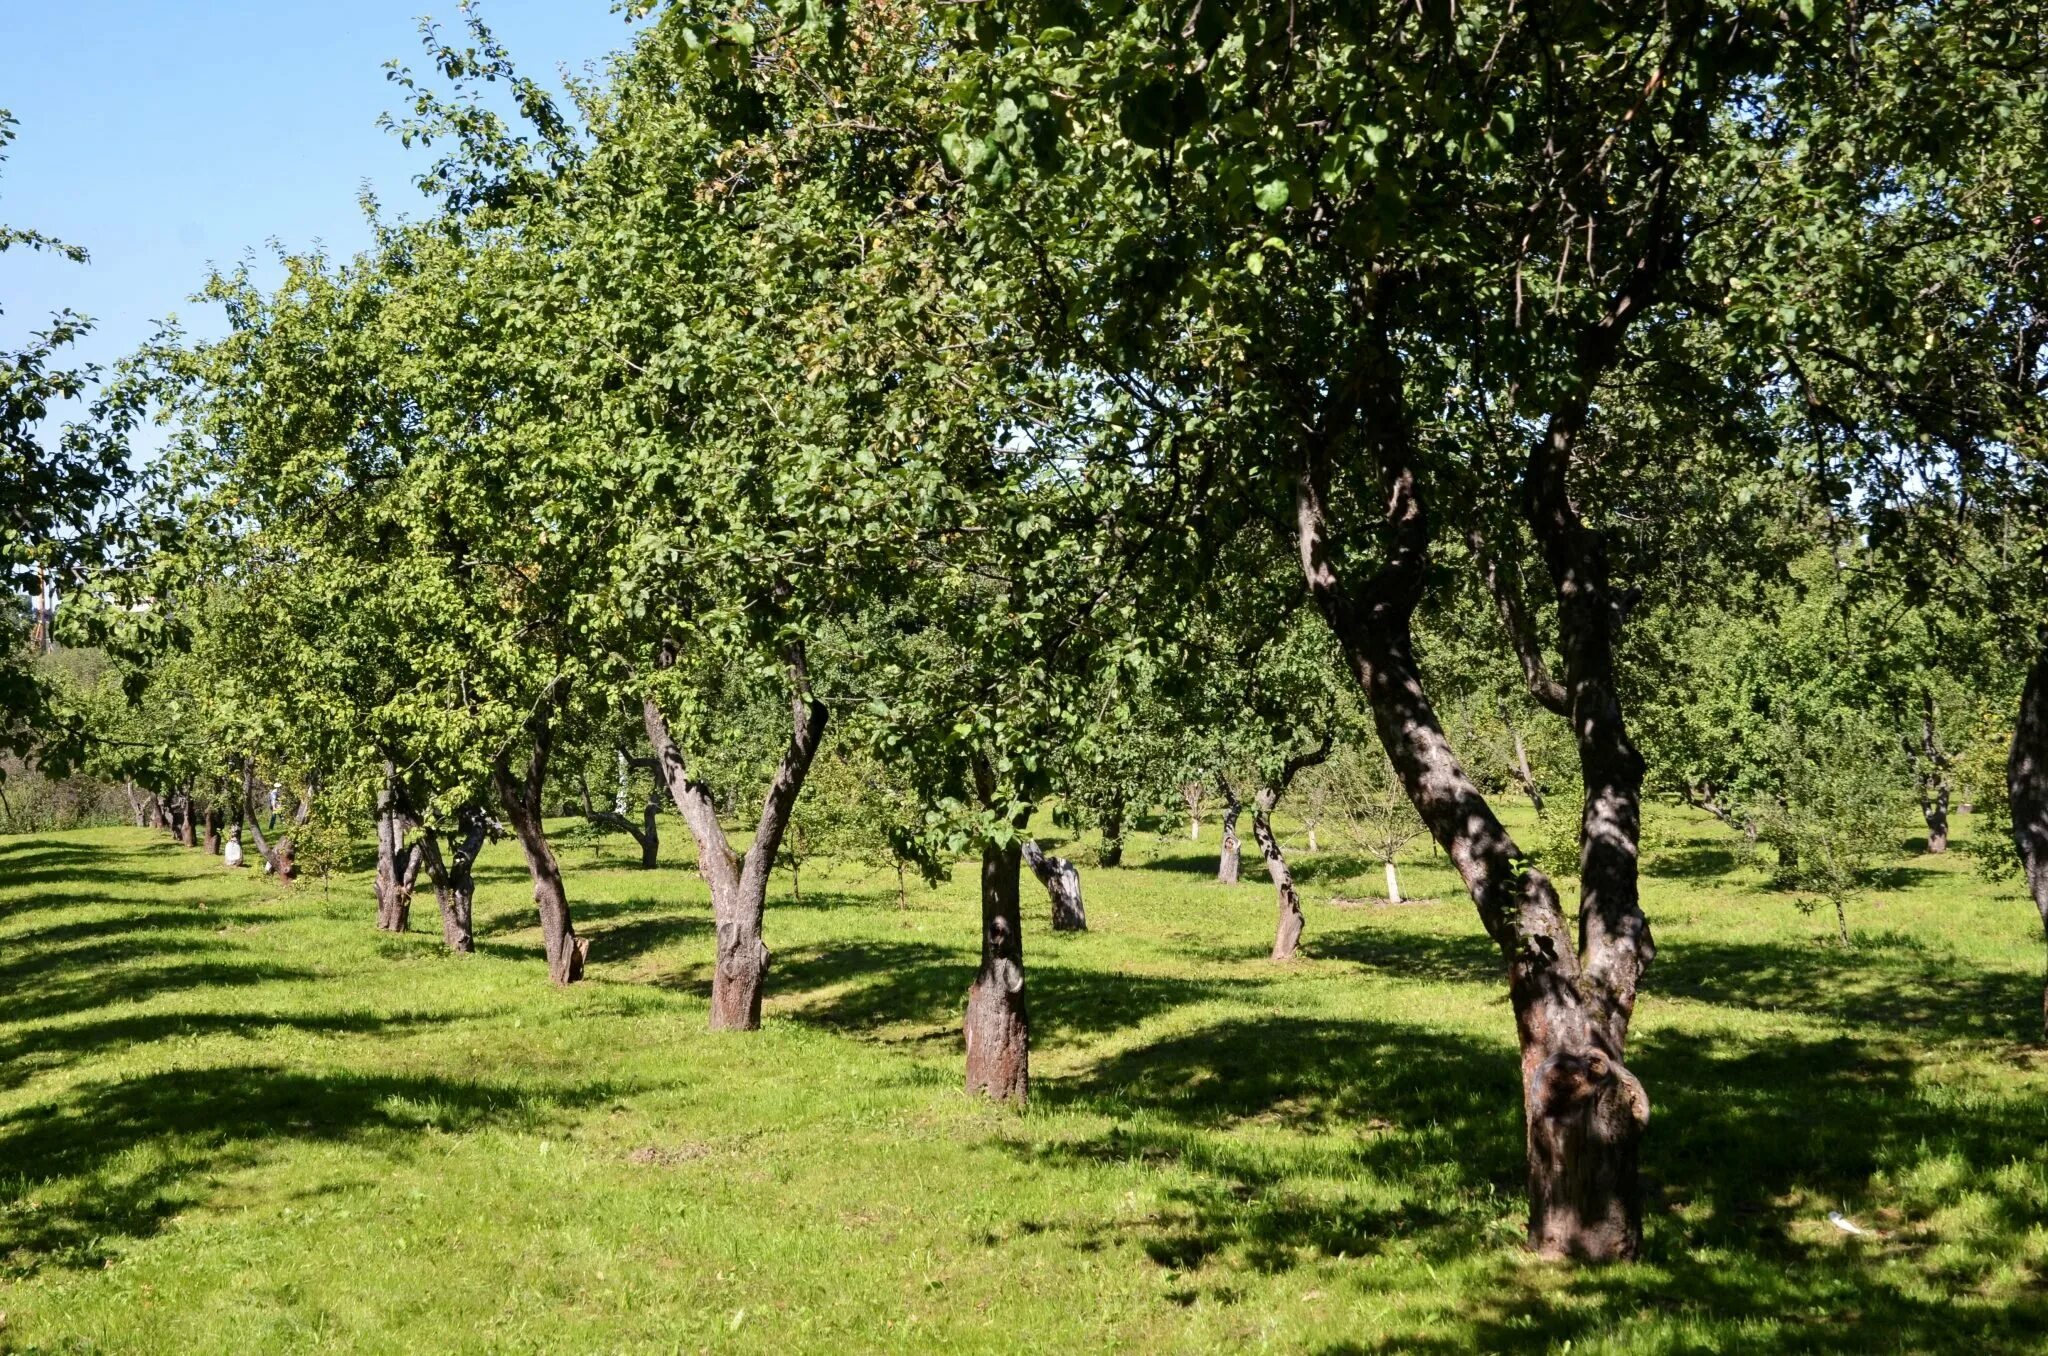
column 279, row 862
column 1191, row 793
column 187, row 830
column 522, row 798
column 739, row 885
column 394, row 901
column 1932, row 763
column 135, row 804
column 1227, row 863
column 1583, row 1110
column 211, row 821
column 1062, row 881
column 1113, row 836
column 1523, row 773
column 650, row 835
column 454, row 885
column 2026, row 782
column 1287, row 933
column 1393, row 882
column 997, row 1028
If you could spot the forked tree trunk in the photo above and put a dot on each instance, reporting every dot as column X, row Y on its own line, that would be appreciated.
column 1191, row 795
column 1062, row 881
column 739, row 885
column 454, row 883
column 1583, row 1110
column 1287, row 931
column 522, row 798
column 1931, row 764
column 997, row 1027
column 2026, row 782
column 1227, row 865
column 279, row 861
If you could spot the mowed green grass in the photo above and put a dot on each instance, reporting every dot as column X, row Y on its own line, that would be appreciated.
column 235, row 1119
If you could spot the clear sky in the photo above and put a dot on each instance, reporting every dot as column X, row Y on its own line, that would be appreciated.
column 164, row 135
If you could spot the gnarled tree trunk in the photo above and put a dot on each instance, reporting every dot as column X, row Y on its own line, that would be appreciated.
column 997, row 1026
column 2026, row 783
column 1931, row 766
column 521, row 796
column 454, row 884
column 1227, row 863
column 1062, row 881
column 1287, row 931
column 1583, row 1110
column 739, row 885
column 394, row 897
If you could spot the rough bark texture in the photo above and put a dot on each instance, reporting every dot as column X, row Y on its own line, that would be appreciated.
column 186, row 829
column 1931, row 767
column 211, row 820
column 521, row 796
column 1227, row 864
column 739, row 885
column 394, row 900
column 997, row 1027
column 277, row 861
column 2026, row 782
column 454, row 885
column 1287, row 932
column 1583, row 1114
column 1062, row 881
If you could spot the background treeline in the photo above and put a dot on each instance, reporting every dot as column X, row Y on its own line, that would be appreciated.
column 861, row 426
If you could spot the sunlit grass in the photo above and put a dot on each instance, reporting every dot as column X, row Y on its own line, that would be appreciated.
column 235, row 1120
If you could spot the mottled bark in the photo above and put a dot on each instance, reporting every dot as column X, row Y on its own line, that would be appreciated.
column 2026, row 782
column 278, row 861
column 451, row 873
column 739, row 884
column 1931, row 774
column 1583, row 1110
column 521, row 796
column 394, row 899
column 1227, row 863
column 1287, row 931
column 1062, row 882
column 997, row 1026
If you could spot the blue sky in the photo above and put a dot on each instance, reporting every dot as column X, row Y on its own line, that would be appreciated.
column 164, row 135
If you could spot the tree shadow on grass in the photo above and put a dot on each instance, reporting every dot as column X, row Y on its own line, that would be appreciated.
column 89, row 1192
column 869, row 987
column 32, row 1050
column 1751, row 1142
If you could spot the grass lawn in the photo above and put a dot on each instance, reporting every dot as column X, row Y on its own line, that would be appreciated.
column 234, row 1119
